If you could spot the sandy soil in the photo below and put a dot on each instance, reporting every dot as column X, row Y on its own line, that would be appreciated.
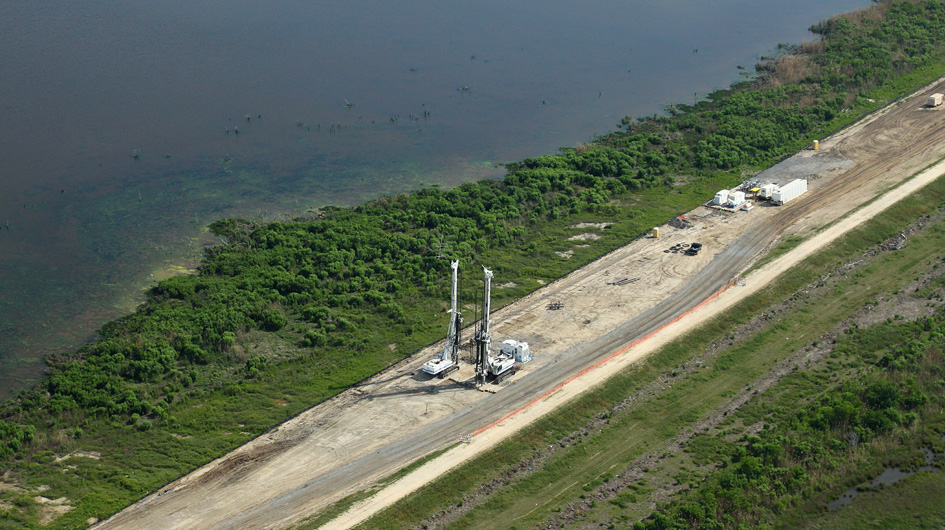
column 370, row 431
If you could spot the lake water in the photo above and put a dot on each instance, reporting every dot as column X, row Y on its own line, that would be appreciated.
column 118, row 119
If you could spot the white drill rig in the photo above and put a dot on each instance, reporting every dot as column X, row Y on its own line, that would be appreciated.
column 489, row 367
column 447, row 362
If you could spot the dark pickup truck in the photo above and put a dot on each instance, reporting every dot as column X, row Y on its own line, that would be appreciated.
column 694, row 249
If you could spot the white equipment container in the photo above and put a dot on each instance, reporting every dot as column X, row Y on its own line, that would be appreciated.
column 735, row 199
column 789, row 191
column 767, row 191
column 720, row 198
column 518, row 350
column 935, row 100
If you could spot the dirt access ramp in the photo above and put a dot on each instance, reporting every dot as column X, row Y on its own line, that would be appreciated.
column 370, row 431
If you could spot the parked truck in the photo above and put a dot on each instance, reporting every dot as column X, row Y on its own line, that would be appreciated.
column 766, row 191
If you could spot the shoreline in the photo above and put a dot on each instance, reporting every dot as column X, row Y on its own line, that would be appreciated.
column 176, row 407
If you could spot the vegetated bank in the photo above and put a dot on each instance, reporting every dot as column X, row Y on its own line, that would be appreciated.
column 287, row 314
column 879, row 403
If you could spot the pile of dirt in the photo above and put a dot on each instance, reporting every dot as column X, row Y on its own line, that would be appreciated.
column 680, row 223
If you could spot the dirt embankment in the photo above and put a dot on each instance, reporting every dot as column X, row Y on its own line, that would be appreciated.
column 399, row 415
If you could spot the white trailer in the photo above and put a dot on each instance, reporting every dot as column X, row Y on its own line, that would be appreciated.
column 735, row 199
column 720, row 198
column 935, row 100
column 789, row 191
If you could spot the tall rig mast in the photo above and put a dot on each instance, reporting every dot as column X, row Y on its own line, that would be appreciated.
column 448, row 361
column 498, row 367
column 483, row 339
column 456, row 320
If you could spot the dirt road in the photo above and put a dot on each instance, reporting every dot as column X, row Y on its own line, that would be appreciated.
column 399, row 415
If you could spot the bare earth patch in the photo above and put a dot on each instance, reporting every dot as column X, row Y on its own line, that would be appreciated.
column 7, row 486
column 586, row 236
column 94, row 455
column 566, row 254
column 591, row 225
column 51, row 509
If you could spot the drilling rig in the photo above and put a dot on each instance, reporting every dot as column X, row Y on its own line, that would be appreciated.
column 447, row 362
column 488, row 367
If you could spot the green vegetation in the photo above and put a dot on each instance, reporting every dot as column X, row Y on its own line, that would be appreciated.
column 285, row 315
column 779, row 467
column 13, row 437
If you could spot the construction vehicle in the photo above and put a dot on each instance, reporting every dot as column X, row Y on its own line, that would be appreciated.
column 488, row 367
column 447, row 362
column 694, row 249
column 765, row 192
